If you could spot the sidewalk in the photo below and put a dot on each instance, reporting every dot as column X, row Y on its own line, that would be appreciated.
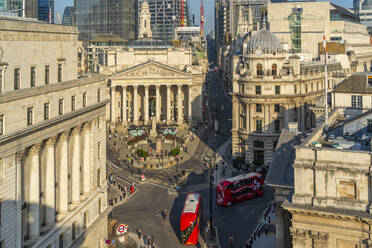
column 224, row 162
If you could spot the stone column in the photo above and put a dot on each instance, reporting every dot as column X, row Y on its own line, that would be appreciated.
column 157, row 103
column 168, row 104
column 251, row 121
column 63, row 174
column 179, row 105
column 86, row 159
column 146, row 104
column 271, row 120
column 266, row 118
column 247, row 117
column 189, row 107
column 113, row 105
column 135, row 105
column 124, row 104
column 34, row 201
column 75, row 178
column 50, row 182
column 286, row 114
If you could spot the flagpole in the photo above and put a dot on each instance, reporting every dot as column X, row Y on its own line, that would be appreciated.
column 325, row 82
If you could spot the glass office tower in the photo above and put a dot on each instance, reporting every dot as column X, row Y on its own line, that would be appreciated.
column 11, row 7
column 46, row 10
column 100, row 17
column 68, row 16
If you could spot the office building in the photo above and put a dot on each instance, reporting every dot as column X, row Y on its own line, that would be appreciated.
column 165, row 17
column 69, row 16
column 15, row 8
column 117, row 17
column 53, row 186
column 45, row 10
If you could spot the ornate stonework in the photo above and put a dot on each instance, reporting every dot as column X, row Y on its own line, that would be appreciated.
column 152, row 71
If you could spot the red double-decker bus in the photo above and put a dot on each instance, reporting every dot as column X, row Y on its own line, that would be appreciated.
column 190, row 219
column 239, row 188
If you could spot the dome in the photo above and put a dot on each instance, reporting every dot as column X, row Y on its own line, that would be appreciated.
column 265, row 41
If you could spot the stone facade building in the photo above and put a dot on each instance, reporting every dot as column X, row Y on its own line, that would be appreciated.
column 53, row 186
column 270, row 88
column 331, row 203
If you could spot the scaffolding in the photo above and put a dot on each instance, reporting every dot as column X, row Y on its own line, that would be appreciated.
column 165, row 17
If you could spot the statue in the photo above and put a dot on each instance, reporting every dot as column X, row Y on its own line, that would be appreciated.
column 153, row 132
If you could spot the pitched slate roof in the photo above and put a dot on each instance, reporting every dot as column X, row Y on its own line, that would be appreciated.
column 356, row 83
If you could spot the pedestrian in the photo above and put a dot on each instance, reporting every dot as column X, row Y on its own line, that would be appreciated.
column 139, row 233
column 231, row 241
column 149, row 241
column 131, row 188
column 223, row 172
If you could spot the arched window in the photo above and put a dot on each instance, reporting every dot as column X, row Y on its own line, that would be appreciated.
column 274, row 69
column 259, row 70
column 144, row 23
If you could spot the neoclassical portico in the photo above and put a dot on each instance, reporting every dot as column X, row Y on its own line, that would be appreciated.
column 153, row 90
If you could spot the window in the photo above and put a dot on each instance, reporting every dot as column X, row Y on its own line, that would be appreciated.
column 259, row 108
column 46, row 111
column 73, row 103
column 17, row 78
column 259, row 126
column 47, row 74
column 258, row 144
column 32, row 76
column 306, row 88
column 60, row 107
column 258, row 156
column 295, row 89
column 84, row 99
column 277, row 108
column 98, row 95
column 277, row 126
column 1, row 124
column 59, row 73
column 73, row 230
column 98, row 177
column 258, row 89
column 99, row 149
column 1, row 81
column 242, row 88
column 369, row 126
column 274, row 69
column 61, row 241
column 30, row 115
column 357, row 101
column 259, row 70
column 99, row 205
column 277, row 89
column 85, row 220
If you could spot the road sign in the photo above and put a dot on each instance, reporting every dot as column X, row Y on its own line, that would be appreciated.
column 142, row 177
column 122, row 229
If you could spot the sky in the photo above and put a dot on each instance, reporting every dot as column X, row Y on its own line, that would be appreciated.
column 195, row 8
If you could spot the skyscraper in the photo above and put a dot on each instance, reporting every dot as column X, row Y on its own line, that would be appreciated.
column 15, row 8
column 364, row 9
column 165, row 17
column 46, row 10
column 68, row 16
column 116, row 17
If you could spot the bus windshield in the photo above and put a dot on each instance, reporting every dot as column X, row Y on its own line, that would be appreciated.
column 185, row 234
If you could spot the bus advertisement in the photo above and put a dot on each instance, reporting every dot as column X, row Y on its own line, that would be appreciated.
column 190, row 219
column 240, row 188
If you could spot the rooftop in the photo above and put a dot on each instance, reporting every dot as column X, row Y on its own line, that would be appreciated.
column 358, row 83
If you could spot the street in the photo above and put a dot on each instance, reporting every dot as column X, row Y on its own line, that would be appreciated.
column 143, row 210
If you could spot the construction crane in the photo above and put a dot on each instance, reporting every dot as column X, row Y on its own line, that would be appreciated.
column 201, row 18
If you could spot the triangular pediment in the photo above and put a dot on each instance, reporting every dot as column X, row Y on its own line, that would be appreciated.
column 150, row 69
